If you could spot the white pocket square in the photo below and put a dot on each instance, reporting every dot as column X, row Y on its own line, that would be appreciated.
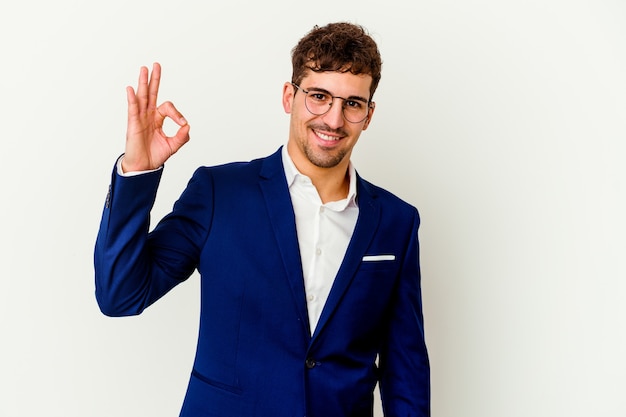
column 378, row 258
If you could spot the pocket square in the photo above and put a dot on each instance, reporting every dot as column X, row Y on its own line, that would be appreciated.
column 378, row 258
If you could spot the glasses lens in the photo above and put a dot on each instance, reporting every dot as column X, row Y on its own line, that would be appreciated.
column 354, row 111
column 319, row 103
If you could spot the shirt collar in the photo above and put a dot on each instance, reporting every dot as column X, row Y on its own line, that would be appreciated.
column 291, row 173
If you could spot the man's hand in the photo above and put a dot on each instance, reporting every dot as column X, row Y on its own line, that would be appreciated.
column 147, row 146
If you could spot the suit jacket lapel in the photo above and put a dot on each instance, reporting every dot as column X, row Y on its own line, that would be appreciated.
column 366, row 225
column 280, row 209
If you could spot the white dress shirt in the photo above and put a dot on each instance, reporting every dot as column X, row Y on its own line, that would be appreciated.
column 324, row 232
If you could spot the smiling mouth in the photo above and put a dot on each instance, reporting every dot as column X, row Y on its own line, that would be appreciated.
column 326, row 137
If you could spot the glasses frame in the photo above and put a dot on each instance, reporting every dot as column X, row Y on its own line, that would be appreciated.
column 369, row 103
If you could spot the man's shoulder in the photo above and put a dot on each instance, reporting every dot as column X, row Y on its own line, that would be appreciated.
column 383, row 195
column 393, row 208
column 240, row 170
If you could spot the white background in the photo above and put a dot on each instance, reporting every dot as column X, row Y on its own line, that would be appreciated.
column 504, row 122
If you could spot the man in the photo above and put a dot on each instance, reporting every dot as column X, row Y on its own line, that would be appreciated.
column 308, row 272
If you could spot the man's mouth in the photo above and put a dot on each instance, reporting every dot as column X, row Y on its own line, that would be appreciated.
column 327, row 137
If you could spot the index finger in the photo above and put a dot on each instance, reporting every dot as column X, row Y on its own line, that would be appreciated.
column 153, row 86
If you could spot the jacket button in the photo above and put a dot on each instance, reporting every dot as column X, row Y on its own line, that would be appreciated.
column 310, row 363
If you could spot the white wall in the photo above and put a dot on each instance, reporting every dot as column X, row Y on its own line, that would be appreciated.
column 503, row 121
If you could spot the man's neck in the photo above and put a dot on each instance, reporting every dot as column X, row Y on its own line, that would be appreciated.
column 332, row 184
column 332, row 187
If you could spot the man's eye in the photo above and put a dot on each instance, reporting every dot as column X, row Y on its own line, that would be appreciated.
column 319, row 96
column 354, row 104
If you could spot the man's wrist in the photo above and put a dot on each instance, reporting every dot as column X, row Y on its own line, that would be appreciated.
column 120, row 170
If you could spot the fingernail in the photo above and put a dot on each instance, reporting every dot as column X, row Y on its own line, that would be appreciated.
column 183, row 121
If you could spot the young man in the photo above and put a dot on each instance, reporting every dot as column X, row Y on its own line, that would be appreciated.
column 309, row 273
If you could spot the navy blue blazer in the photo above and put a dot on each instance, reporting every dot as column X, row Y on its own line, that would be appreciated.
column 255, row 356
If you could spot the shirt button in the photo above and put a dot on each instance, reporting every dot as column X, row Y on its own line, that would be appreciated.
column 311, row 297
column 318, row 251
column 310, row 363
column 322, row 209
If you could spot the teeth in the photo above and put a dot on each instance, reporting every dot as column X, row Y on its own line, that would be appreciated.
column 326, row 137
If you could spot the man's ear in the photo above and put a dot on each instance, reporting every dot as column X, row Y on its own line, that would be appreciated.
column 370, row 113
column 288, row 93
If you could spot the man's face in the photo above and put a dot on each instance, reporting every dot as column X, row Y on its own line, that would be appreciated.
column 324, row 141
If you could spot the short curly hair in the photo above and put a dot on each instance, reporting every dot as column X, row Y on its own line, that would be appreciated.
column 343, row 47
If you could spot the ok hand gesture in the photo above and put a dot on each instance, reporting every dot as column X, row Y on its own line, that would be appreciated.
column 147, row 146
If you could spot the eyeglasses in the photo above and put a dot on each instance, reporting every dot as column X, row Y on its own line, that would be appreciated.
column 319, row 102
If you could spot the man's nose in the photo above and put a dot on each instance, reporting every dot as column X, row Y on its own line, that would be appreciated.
column 334, row 116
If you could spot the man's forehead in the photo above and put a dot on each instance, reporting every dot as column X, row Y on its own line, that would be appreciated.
column 339, row 82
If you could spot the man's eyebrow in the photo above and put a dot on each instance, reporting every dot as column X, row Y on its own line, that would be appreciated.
column 322, row 90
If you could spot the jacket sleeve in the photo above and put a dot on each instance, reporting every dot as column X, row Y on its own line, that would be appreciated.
column 134, row 268
column 404, row 364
